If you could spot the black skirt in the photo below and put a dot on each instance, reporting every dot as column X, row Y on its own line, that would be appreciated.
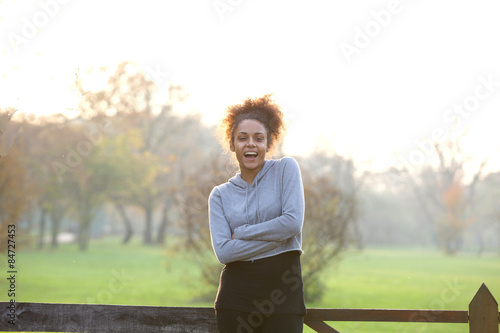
column 271, row 285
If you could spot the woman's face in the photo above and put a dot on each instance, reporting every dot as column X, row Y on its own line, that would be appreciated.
column 250, row 145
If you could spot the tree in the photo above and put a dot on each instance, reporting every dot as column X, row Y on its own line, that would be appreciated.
column 487, row 228
column 76, row 177
column 156, row 130
column 191, row 198
column 331, row 188
column 136, row 174
column 388, row 214
column 445, row 191
column 15, row 191
column 47, row 143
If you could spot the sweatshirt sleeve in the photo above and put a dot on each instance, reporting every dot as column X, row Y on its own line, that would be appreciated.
column 226, row 249
column 291, row 220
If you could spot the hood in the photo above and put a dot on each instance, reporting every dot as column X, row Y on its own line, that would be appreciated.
column 239, row 182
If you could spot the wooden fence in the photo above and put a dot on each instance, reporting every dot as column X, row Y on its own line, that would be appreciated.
column 482, row 316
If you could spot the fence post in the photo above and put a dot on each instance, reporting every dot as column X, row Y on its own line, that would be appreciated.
column 483, row 312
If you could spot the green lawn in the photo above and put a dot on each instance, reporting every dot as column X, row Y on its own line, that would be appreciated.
column 408, row 279
column 110, row 273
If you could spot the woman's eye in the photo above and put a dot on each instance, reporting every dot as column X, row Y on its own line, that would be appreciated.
column 242, row 138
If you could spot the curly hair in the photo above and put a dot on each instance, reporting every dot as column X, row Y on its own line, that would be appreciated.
column 263, row 109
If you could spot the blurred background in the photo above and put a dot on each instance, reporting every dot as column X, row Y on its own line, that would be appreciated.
column 108, row 146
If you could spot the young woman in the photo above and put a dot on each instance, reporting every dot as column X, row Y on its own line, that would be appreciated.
column 256, row 223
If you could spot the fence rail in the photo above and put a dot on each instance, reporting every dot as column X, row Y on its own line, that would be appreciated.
column 482, row 316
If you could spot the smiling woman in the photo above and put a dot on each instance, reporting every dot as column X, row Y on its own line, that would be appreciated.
column 256, row 223
column 252, row 129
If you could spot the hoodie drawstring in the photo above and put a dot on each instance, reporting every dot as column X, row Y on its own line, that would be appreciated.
column 246, row 205
column 256, row 198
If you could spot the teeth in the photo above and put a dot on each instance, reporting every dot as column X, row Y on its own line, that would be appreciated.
column 251, row 154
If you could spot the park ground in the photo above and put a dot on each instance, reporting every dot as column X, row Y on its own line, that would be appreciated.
column 390, row 278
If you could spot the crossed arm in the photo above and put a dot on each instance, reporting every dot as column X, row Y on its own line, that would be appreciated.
column 247, row 240
column 290, row 222
column 227, row 249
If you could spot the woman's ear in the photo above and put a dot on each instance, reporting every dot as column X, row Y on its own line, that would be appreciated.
column 231, row 147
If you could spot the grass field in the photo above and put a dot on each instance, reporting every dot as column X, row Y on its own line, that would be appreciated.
column 110, row 273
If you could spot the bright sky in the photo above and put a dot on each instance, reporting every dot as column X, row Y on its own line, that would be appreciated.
column 369, row 77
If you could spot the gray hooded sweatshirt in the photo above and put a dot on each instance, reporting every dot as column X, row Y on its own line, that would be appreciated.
column 266, row 217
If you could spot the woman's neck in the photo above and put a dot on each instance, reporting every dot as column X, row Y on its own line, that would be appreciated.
column 249, row 175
